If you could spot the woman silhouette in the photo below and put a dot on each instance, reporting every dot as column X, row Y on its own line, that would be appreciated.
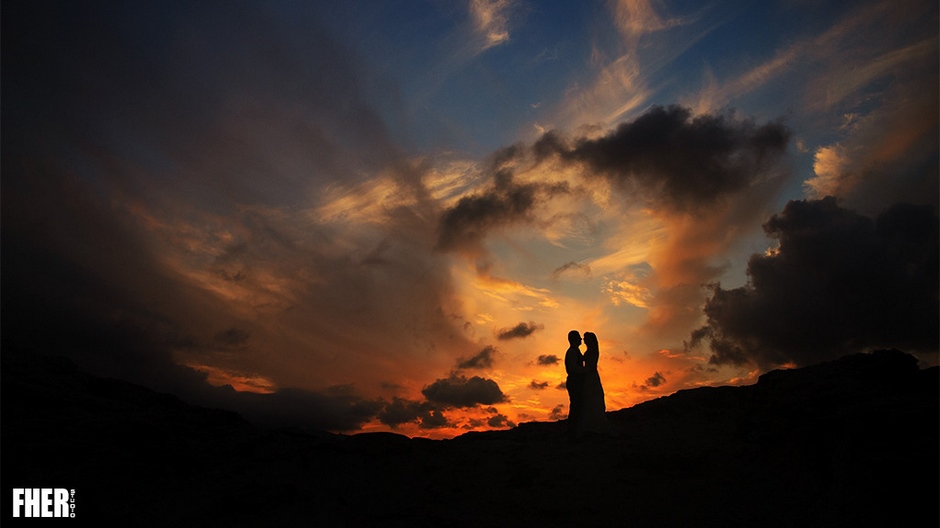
column 594, row 413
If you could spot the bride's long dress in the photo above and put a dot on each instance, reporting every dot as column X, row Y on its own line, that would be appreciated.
column 594, row 417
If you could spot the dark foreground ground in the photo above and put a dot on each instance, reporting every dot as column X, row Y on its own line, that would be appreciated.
column 847, row 443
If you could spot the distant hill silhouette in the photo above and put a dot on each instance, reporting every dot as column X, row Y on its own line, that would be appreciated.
column 852, row 442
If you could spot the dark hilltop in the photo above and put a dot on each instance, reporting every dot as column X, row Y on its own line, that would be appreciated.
column 852, row 442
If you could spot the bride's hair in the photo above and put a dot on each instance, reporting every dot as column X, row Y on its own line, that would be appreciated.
column 590, row 338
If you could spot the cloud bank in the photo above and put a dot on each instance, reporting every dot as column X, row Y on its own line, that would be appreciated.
column 680, row 160
column 838, row 282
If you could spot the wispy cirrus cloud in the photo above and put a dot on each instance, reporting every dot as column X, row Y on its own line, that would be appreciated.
column 621, row 85
column 491, row 21
column 882, row 151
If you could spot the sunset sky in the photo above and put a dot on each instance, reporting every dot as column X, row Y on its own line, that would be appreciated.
column 387, row 215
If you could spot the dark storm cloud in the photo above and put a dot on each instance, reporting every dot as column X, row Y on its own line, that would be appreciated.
column 434, row 420
column 684, row 161
column 482, row 360
column 507, row 202
column 538, row 385
column 519, row 331
column 455, row 391
column 839, row 282
column 500, row 420
column 548, row 359
column 460, row 391
column 403, row 411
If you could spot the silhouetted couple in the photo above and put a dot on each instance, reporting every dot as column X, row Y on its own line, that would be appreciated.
column 587, row 410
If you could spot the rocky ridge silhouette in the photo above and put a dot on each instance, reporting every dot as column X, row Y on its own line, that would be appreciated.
column 852, row 442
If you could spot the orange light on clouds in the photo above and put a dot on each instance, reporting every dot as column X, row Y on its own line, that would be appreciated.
column 353, row 244
column 241, row 382
column 458, row 422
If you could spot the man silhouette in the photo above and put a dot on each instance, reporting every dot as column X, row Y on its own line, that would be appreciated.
column 574, row 366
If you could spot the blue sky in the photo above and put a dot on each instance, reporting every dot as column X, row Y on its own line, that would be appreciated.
column 327, row 212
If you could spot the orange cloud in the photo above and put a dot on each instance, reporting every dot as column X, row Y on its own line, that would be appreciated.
column 241, row 382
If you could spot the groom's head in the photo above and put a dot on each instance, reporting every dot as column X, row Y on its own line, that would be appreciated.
column 574, row 338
